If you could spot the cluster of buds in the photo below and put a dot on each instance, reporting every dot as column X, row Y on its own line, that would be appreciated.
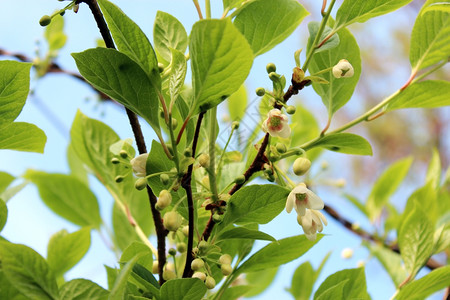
column 198, row 266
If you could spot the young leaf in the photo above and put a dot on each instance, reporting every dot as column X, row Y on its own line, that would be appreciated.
column 266, row 23
column 120, row 284
column 135, row 248
column 14, row 87
column 28, row 272
column 313, row 28
column 68, row 197
column 415, row 240
column 168, row 33
column 77, row 168
column 177, row 73
column 245, row 233
column 360, row 11
column 237, row 104
column 231, row 3
column 386, row 185
column 434, row 170
column 21, row 136
column 430, row 38
column 3, row 214
column 441, row 6
column 278, row 253
column 121, row 78
column 221, row 59
column 183, row 289
column 424, row 94
column 65, row 250
column 259, row 281
column 344, row 143
column 333, row 292
column 354, row 288
column 303, row 281
column 131, row 41
column 304, row 128
column 434, row 281
column 255, row 204
column 5, row 181
column 79, row 289
column 236, row 292
column 339, row 90
column 54, row 34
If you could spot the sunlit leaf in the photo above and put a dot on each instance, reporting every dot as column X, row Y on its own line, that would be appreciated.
column 168, row 33
column 344, row 143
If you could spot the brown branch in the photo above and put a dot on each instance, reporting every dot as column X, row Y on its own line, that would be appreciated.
column 186, row 184
column 134, row 122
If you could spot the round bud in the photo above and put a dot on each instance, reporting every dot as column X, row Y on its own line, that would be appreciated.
column 260, row 91
column 172, row 221
column 199, row 275
column 270, row 177
column 203, row 245
column 281, row 148
column 235, row 125
column 160, row 67
column 181, row 247
column 270, row 67
column 187, row 152
column 123, row 153
column 45, row 20
column 226, row 269
column 115, row 160
column 174, row 123
column 164, row 199
column 274, row 156
column 164, row 179
column 240, row 179
column 140, row 184
column 172, row 251
column 185, row 230
column 225, row 259
column 203, row 160
column 210, row 282
column 217, row 218
column 119, row 178
column 274, row 76
column 290, row 109
column 169, row 274
column 301, row 166
column 197, row 264
column 155, row 269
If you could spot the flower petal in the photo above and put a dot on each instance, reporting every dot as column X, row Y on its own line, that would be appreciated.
column 285, row 132
column 290, row 202
column 314, row 202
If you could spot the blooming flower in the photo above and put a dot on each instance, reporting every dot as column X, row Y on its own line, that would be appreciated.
column 302, row 198
column 138, row 164
column 311, row 223
column 276, row 124
column 343, row 69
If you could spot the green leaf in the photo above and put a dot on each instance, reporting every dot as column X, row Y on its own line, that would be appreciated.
column 434, row 170
column 183, row 289
column 434, row 281
column 441, row 6
column 132, row 41
column 76, row 165
column 27, row 271
column 246, row 234
column 119, row 288
column 237, row 103
column 430, row 38
column 442, row 236
column 277, row 253
column 425, row 94
column 415, row 240
column 354, row 288
column 304, row 128
column 5, row 181
column 142, row 277
column 360, row 11
column 14, row 87
column 21, row 136
column 339, row 90
column 391, row 261
column 3, row 214
column 177, row 73
column 255, row 204
column 168, row 33
column 333, row 292
column 303, row 281
column 231, row 3
column 54, row 34
column 8, row 291
column 266, row 23
column 236, row 292
column 65, row 250
column 357, row 204
column 68, row 197
column 81, row 289
column 333, row 42
column 344, row 143
column 221, row 59
column 259, row 281
column 135, row 248
column 121, row 78
column 386, row 185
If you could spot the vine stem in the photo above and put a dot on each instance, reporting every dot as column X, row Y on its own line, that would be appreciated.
column 134, row 122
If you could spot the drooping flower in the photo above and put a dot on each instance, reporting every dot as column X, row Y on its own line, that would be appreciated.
column 311, row 223
column 343, row 69
column 276, row 124
column 138, row 164
column 302, row 198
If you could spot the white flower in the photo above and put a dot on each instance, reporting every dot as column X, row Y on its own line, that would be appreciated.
column 311, row 223
column 347, row 253
column 276, row 124
column 138, row 164
column 302, row 198
column 343, row 69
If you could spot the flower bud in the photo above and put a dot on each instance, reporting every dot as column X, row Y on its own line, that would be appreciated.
column 155, row 267
column 226, row 269
column 140, row 184
column 187, row 152
column 270, row 67
column 343, row 69
column 119, row 178
column 347, row 253
column 217, row 218
column 301, row 166
column 169, row 274
column 235, row 125
column 174, row 123
column 160, row 67
column 170, row 148
column 62, row 13
column 197, row 264
column 45, row 20
column 281, row 148
column 225, row 259
column 172, row 221
column 172, row 251
column 298, row 75
column 203, row 246
column 115, row 161
column 291, row 109
column 260, row 91
column 274, row 156
column 210, row 282
column 274, row 76
column 138, row 164
column 203, row 160
column 181, row 247
column 164, row 199
column 199, row 275
column 205, row 182
column 164, row 179
column 185, row 230
column 123, row 153
column 240, row 179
